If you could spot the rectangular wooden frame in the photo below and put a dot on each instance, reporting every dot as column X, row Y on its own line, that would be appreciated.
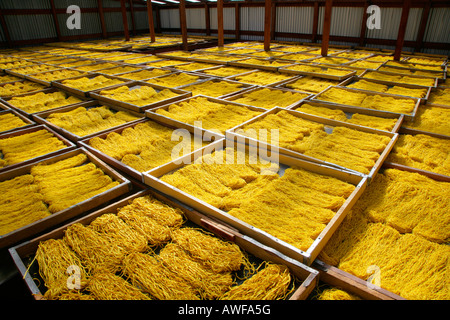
column 349, row 110
column 49, row 90
column 277, row 88
column 423, row 100
column 308, row 275
column 318, row 74
column 371, row 93
column 41, row 117
column 152, row 179
column 28, row 121
column 208, row 133
column 231, row 134
column 68, row 213
column 181, row 94
column 205, row 135
column 69, row 144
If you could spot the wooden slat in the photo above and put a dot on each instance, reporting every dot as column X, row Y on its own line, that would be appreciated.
column 423, row 25
column 326, row 27
column 315, row 21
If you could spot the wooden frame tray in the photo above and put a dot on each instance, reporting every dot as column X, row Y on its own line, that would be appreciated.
column 41, row 117
column 362, row 76
column 120, row 165
column 222, row 66
column 200, row 76
column 273, row 84
column 244, row 86
column 439, row 75
column 352, row 284
column 69, row 145
column 68, row 213
column 181, row 95
column 371, row 93
column 152, row 179
column 207, row 133
column 423, row 100
column 329, row 125
column 28, row 121
column 349, row 111
column 241, row 94
column 32, row 76
column 77, row 92
column 433, row 175
column 23, row 80
column 243, row 63
column 123, row 75
column 23, row 253
column 317, row 74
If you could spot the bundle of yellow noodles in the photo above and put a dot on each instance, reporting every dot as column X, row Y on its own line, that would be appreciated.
column 82, row 121
column 270, row 283
column 145, row 145
column 225, row 71
column 55, row 258
column 214, row 89
column 18, row 87
column 336, row 294
column 89, row 84
column 422, row 152
column 140, row 96
column 262, row 78
column 268, row 98
column 42, row 101
column 175, row 80
column 430, row 119
column 108, row 286
column 213, row 115
column 26, row 146
column 148, row 272
column 97, row 252
column 10, row 121
column 311, row 84
column 144, row 74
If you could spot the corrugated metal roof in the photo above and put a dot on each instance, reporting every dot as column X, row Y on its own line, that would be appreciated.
column 228, row 18
column 438, row 26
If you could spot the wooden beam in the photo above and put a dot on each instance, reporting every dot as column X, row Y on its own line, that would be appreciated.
column 267, row 18
column 207, row 20
column 102, row 18
column 124, row 20
column 237, row 21
column 55, row 20
column 151, row 25
column 315, row 21
column 183, row 24
column 274, row 21
column 326, row 27
column 402, row 29
column 220, row 22
column 362, row 33
column 423, row 25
